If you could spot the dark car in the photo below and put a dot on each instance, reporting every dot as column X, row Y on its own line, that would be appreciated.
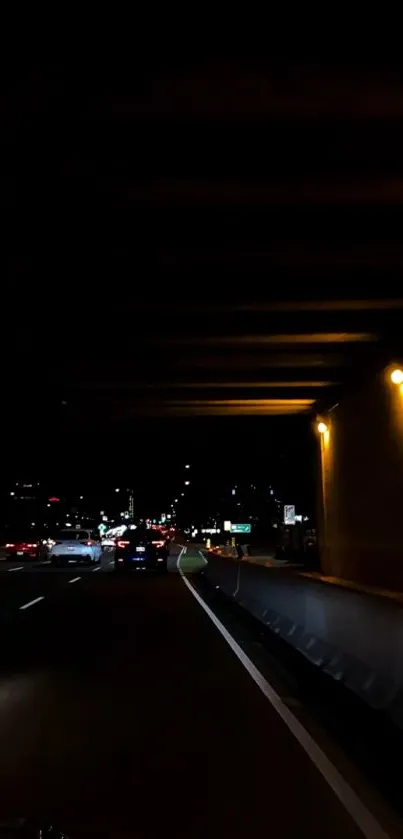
column 20, row 546
column 142, row 548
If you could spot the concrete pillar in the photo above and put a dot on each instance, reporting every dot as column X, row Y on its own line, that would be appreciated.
column 361, row 484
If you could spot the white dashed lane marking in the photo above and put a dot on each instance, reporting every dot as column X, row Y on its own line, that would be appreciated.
column 32, row 602
column 20, row 568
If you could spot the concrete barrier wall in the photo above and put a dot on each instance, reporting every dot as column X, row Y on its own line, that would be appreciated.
column 355, row 638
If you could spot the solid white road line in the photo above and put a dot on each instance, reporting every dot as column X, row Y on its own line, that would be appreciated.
column 32, row 602
column 20, row 568
column 178, row 561
column 98, row 568
column 203, row 558
column 346, row 795
column 75, row 580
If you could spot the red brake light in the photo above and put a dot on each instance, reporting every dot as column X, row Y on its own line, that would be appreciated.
column 10, row 545
column 158, row 544
column 33, row 545
column 122, row 543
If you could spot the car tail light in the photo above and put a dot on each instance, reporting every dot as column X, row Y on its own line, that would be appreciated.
column 158, row 544
column 32, row 545
column 86, row 542
column 122, row 543
column 10, row 545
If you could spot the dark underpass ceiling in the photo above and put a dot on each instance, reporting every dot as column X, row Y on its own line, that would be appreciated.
column 277, row 359
column 222, row 238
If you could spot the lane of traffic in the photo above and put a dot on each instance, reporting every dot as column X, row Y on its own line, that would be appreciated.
column 21, row 587
column 29, row 582
column 7, row 565
column 140, row 700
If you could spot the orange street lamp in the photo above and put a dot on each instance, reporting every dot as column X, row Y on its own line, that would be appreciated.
column 397, row 377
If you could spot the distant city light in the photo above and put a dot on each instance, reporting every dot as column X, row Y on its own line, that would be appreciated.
column 32, row 524
column 81, row 497
column 182, row 493
column 176, row 500
column 12, row 493
column 233, row 491
column 187, row 483
column 117, row 489
column 322, row 427
column 397, row 377
column 187, row 466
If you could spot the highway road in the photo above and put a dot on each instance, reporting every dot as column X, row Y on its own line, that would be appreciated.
column 126, row 710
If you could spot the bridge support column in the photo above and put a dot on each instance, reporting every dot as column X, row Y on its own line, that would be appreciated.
column 361, row 484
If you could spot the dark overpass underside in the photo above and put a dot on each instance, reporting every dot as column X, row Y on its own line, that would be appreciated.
column 222, row 237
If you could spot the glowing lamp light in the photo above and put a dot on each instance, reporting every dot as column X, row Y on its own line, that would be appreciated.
column 322, row 427
column 397, row 377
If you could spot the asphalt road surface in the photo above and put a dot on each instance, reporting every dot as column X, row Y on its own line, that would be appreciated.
column 124, row 710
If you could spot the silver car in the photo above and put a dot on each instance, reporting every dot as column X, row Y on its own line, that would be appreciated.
column 76, row 546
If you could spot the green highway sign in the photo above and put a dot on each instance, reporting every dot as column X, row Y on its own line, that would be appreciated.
column 241, row 528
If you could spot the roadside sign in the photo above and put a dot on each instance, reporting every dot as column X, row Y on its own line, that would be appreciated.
column 241, row 528
column 289, row 514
